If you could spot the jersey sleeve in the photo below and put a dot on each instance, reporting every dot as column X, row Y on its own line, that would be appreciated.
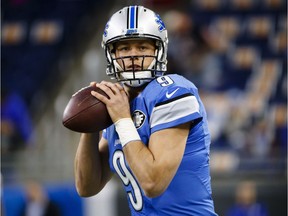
column 174, row 106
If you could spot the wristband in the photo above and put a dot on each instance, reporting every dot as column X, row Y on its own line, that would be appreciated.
column 126, row 130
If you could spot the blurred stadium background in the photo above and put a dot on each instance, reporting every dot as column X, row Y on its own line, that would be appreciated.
column 235, row 51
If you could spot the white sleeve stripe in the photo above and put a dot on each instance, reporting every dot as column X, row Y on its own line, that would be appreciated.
column 174, row 110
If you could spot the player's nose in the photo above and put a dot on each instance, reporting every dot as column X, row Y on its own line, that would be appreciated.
column 134, row 51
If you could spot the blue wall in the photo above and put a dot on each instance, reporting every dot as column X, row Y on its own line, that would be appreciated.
column 64, row 195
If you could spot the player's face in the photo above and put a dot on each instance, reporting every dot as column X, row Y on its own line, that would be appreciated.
column 136, row 48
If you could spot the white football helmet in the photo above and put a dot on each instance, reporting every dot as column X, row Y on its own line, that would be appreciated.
column 135, row 22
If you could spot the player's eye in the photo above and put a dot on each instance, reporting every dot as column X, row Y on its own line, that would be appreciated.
column 142, row 48
column 146, row 47
column 123, row 48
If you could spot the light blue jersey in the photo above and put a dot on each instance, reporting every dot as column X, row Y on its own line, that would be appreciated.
column 167, row 102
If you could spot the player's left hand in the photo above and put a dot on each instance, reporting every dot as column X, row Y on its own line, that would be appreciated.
column 118, row 102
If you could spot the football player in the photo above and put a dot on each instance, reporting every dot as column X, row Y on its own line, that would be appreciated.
column 159, row 142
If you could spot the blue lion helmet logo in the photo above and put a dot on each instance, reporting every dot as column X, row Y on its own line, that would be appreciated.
column 160, row 23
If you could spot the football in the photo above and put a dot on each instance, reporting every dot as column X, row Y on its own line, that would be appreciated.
column 86, row 114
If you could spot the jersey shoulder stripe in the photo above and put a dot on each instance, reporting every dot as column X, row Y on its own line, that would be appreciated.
column 175, row 109
column 173, row 99
column 169, row 101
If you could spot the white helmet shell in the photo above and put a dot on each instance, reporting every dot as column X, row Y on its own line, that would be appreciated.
column 136, row 22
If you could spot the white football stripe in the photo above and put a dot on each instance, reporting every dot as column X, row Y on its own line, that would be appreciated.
column 174, row 110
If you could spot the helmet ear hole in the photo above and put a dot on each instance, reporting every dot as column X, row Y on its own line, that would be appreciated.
column 112, row 48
